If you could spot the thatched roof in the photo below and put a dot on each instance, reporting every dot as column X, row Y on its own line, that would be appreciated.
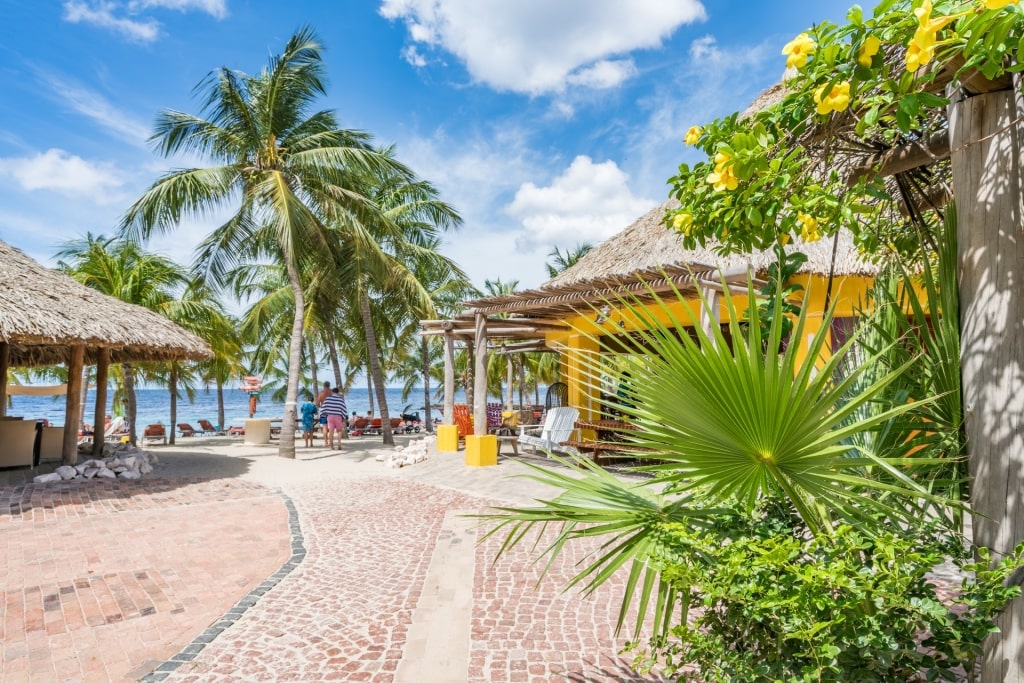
column 43, row 312
column 648, row 244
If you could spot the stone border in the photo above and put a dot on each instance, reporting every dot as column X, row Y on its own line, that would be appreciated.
column 193, row 649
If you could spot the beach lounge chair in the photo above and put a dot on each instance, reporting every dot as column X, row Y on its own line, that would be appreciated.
column 493, row 417
column 558, row 427
column 236, row 431
column 462, row 418
column 208, row 428
column 359, row 427
column 118, row 428
column 154, row 433
column 186, row 429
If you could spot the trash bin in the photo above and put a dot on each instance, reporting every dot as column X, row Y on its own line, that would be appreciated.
column 257, row 431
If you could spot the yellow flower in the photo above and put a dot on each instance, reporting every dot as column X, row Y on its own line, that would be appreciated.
column 868, row 50
column 808, row 227
column 921, row 49
column 784, row 239
column 836, row 99
column 723, row 179
column 799, row 50
column 693, row 135
column 683, row 222
column 998, row 4
column 722, row 160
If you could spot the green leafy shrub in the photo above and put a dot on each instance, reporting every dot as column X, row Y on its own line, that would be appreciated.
column 763, row 601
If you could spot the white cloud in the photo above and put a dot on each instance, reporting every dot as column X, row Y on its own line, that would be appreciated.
column 536, row 46
column 215, row 8
column 58, row 171
column 705, row 48
column 413, row 56
column 604, row 74
column 94, row 106
column 588, row 203
column 102, row 14
column 126, row 18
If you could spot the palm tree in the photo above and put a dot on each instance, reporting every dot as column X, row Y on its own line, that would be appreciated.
column 381, row 254
column 287, row 169
column 560, row 261
column 126, row 272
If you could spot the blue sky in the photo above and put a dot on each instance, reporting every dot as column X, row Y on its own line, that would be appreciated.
column 545, row 122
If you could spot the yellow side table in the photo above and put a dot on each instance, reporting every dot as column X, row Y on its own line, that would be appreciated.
column 447, row 438
column 481, row 450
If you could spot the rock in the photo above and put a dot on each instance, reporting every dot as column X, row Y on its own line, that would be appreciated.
column 66, row 472
column 81, row 467
column 129, row 474
column 91, row 472
column 119, row 469
column 106, row 474
column 145, row 468
column 129, row 461
column 47, row 478
column 113, row 462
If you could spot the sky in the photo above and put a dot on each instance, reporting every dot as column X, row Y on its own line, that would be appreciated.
column 545, row 123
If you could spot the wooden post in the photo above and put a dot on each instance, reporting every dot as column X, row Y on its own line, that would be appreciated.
column 5, row 360
column 102, row 366
column 987, row 176
column 449, row 379
column 480, row 377
column 710, row 315
column 511, row 381
column 72, row 410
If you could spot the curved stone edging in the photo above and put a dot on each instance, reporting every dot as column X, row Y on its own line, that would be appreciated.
column 192, row 650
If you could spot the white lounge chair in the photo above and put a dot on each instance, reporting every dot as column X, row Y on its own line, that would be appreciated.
column 558, row 426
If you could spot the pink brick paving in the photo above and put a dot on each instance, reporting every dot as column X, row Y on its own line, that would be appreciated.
column 102, row 581
column 343, row 613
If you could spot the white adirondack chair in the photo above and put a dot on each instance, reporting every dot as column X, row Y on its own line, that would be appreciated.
column 558, row 426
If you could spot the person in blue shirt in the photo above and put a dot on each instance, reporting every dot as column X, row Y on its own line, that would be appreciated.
column 308, row 412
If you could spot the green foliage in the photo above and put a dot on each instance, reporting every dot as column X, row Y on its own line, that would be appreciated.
column 790, row 159
column 762, row 603
column 723, row 423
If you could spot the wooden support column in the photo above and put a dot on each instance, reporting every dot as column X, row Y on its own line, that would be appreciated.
column 480, row 376
column 100, row 412
column 5, row 360
column 987, row 176
column 73, row 408
column 510, row 379
column 449, row 378
column 710, row 314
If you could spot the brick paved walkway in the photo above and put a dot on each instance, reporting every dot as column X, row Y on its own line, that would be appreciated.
column 102, row 581
column 107, row 581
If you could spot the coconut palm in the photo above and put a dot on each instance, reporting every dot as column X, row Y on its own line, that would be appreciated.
column 286, row 170
column 124, row 271
column 560, row 261
column 381, row 253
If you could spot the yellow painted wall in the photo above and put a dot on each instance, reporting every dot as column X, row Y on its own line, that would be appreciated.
column 848, row 295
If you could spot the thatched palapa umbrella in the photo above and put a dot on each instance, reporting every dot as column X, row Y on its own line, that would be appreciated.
column 48, row 318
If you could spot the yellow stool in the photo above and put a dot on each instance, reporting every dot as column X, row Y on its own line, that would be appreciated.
column 481, row 450
column 447, row 438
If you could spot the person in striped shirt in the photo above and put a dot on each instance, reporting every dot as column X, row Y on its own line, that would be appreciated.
column 337, row 412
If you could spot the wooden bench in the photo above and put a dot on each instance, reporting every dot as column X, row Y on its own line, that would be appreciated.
column 599, row 447
column 510, row 439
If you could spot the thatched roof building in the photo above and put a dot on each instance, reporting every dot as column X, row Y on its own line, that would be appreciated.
column 648, row 244
column 43, row 312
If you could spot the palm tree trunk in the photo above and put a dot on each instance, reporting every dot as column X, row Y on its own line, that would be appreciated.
column 287, row 446
column 129, row 391
column 332, row 349
column 375, row 370
column 428, row 419
column 220, row 404
column 172, row 384
column 312, row 366
column 369, row 390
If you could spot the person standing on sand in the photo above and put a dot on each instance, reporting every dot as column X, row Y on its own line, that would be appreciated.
column 337, row 412
column 308, row 411
column 320, row 398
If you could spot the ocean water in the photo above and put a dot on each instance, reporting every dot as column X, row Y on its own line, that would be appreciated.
column 154, row 405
